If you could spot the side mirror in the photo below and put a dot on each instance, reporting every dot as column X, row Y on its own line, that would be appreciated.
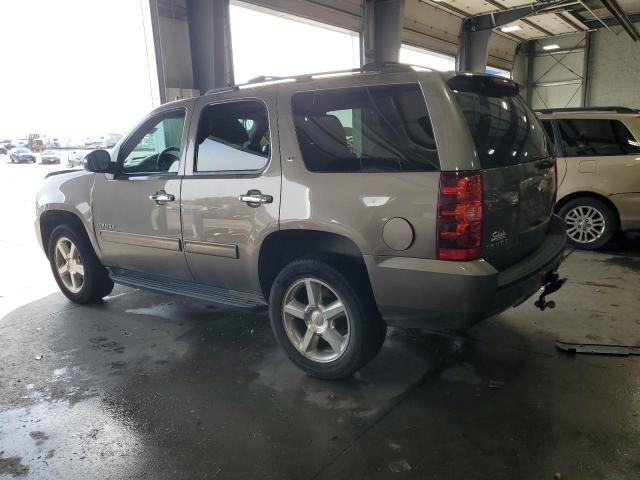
column 98, row 161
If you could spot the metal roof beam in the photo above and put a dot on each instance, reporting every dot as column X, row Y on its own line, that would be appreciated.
column 622, row 18
column 610, row 22
column 476, row 31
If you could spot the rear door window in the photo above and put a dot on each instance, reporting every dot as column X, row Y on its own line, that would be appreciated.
column 233, row 137
column 365, row 129
column 504, row 129
column 583, row 138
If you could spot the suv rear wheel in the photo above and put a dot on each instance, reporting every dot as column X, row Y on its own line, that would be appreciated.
column 76, row 268
column 591, row 223
column 327, row 327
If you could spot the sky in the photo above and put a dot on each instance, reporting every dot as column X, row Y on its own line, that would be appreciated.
column 315, row 49
column 78, row 68
column 72, row 68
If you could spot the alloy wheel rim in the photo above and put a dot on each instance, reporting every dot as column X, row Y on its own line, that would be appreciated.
column 585, row 224
column 316, row 320
column 69, row 265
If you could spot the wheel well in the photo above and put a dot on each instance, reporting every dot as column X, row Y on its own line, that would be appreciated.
column 597, row 196
column 284, row 246
column 52, row 218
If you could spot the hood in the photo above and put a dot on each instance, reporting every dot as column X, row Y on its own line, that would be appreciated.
column 61, row 172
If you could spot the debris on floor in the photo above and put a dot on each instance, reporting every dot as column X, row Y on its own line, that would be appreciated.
column 598, row 349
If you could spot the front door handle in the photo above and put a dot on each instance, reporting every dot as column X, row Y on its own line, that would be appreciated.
column 161, row 197
column 255, row 198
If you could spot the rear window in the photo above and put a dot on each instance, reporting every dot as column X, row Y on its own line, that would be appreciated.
column 504, row 129
column 582, row 138
column 365, row 129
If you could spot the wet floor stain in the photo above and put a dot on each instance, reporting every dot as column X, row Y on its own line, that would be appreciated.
column 632, row 263
column 39, row 437
column 103, row 343
column 12, row 466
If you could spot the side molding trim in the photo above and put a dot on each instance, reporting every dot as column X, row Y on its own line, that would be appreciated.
column 164, row 243
column 215, row 249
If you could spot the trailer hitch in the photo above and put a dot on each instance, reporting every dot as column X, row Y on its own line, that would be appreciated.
column 553, row 283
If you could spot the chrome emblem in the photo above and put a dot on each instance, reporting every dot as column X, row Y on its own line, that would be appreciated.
column 498, row 236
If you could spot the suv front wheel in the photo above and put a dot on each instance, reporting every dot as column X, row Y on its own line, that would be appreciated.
column 327, row 327
column 75, row 266
column 591, row 223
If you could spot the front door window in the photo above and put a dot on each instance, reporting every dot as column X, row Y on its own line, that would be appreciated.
column 155, row 147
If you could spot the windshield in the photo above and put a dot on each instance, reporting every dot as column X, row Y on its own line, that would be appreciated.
column 22, row 150
column 505, row 130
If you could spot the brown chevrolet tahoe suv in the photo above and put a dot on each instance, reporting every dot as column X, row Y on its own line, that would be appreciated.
column 345, row 202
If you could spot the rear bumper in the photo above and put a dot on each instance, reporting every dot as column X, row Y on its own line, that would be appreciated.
column 429, row 293
column 628, row 206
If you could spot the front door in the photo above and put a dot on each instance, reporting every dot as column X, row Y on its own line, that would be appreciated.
column 137, row 210
column 231, row 190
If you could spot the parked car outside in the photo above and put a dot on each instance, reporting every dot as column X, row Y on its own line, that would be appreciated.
column 21, row 155
column 50, row 156
column 254, row 197
column 598, row 152
column 75, row 158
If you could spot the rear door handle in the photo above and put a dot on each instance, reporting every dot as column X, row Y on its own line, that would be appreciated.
column 255, row 198
column 161, row 197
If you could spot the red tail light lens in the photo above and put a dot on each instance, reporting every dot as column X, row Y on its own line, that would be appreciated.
column 460, row 216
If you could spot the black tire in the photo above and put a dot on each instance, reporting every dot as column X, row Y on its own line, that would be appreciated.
column 604, row 210
column 96, row 283
column 367, row 329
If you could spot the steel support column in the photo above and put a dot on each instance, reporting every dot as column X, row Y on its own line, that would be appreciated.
column 531, row 56
column 210, row 37
column 476, row 31
column 585, row 68
column 382, row 31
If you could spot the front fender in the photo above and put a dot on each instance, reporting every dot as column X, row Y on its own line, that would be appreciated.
column 70, row 193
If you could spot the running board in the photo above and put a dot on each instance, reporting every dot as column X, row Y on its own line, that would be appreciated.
column 207, row 293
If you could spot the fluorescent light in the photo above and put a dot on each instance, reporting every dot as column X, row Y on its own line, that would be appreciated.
column 553, row 46
column 511, row 28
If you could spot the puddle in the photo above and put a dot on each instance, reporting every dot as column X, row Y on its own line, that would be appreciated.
column 392, row 373
column 52, row 440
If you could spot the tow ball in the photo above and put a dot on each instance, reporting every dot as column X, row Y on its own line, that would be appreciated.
column 553, row 283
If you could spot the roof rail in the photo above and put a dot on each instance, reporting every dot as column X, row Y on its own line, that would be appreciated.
column 589, row 109
column 264, row 78
column 368, row 68
column 227, row 88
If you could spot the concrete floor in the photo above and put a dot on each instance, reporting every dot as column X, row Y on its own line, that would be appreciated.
column 150, row 386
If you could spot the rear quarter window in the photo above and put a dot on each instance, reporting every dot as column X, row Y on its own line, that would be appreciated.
column 504, row 129
column 365, row 129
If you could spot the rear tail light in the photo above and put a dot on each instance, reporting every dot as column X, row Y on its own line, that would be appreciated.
column 460, row 216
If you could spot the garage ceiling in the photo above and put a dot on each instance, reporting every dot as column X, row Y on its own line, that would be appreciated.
column 435, row 24
column 575, row 16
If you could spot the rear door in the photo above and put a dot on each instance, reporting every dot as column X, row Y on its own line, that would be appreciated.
column 518, row 169
column 601, row 154
column 231, row 189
